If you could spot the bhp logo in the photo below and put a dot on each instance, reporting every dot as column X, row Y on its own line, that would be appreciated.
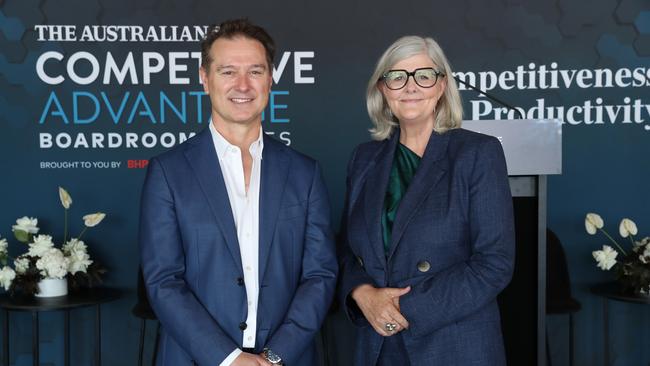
column 137, row 164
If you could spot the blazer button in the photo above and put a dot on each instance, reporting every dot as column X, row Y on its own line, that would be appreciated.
column 243, row 326
column 424, row 266
column 240, row 281
column 360, row 261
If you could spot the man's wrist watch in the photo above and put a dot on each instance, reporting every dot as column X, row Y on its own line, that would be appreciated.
column 271, row 356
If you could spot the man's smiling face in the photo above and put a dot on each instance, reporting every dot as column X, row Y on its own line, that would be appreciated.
column 238, row 80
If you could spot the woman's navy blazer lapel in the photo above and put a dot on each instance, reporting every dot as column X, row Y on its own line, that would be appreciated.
column 431, row 169
column 374, row 190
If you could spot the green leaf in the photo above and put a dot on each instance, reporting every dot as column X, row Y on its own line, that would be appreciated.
column 22, row 236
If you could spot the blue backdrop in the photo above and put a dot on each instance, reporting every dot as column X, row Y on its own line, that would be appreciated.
column 112, row 83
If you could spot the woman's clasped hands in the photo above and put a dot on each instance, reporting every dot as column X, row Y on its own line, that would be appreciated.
column 380, row 306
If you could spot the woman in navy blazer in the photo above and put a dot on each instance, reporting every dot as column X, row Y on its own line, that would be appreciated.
column 428, row 232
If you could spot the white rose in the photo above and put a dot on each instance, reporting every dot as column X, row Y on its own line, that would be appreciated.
column 79, row 262
column 592, row 222
column 53, row 264
column 21, row 264
column 26, row 224
column 606, row 258
column 7, row 276
column 77, row 253
column 641, row 243
column 74, row 246
column 645, row 256
column 3, row 246
column 41, row 244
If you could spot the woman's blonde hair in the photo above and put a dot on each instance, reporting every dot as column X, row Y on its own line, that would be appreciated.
column 449, row 110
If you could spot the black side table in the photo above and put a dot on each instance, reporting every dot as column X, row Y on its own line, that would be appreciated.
column 78, row 299
column 612, row 291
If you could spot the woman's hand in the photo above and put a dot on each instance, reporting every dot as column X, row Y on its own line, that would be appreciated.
column 380, row 306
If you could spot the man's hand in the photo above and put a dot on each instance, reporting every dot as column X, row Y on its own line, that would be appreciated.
column 247, row 359
column 381, row 306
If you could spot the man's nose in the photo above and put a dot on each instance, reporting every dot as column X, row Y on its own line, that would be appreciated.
column 242, row 83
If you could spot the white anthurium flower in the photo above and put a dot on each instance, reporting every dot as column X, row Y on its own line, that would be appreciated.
column 26, row 224
column 91, row 220
column 593, row 222
column 53, row 264
column 627, row 228
column 41, row 244
column 606, row 258
column 66, row 200
column 7, row 276
column 21, row 264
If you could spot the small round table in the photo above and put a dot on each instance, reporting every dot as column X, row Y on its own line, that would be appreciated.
column 74, row 300
column 612, row 291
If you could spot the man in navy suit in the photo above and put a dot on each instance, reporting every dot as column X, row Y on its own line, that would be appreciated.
column 237, row 253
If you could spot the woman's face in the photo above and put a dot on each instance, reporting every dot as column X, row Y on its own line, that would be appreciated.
column 414, row 104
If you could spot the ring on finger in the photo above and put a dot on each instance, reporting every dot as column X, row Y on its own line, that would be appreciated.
column 390, row 327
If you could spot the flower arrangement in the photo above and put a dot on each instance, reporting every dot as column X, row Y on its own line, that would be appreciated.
column 633, row 267
column 43, row 260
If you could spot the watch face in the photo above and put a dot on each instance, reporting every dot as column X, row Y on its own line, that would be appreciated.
column 272, row 357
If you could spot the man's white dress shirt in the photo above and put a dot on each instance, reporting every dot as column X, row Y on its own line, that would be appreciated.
column 245, row 211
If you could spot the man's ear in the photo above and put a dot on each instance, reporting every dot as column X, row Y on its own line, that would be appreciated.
column 203, row 74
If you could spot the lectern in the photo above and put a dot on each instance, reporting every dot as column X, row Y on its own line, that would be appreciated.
column 533, row 150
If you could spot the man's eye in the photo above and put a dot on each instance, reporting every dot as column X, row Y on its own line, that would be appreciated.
column 226, row 72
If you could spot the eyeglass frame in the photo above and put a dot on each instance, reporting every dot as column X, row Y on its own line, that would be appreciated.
column 412, row 74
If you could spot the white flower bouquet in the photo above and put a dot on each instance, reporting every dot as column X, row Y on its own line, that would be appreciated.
column 632, row 267
column 43, row 260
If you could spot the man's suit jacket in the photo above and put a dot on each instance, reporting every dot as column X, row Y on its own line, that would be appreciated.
column 192, row 264
column 452, row 242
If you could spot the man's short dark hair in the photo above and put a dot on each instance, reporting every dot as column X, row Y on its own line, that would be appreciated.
column 233, row 28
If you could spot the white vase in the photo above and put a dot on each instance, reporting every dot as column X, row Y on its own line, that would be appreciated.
column 52, row 287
